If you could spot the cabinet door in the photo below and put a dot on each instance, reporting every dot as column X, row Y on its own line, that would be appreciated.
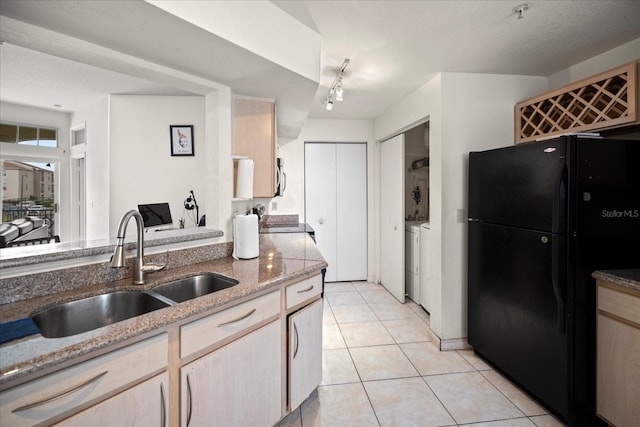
column 305, row 353
column 54, row 396
column 239, row 384
column 143, row 405
column 254, row 137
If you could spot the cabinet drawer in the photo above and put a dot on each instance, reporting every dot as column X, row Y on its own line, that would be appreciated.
column 200, row 334
column 303, row 291
column 621, row 304
column 72, row 388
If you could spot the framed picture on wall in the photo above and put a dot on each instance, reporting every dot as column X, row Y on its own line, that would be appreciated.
column 181, row 140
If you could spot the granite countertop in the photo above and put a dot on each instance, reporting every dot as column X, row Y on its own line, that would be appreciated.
column 283, row 258
column 286, row 228
column 629, row 278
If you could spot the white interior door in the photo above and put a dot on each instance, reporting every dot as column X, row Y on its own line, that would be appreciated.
column 351, row 203
column 392, row 216
column 320, row 200
column 78, row 199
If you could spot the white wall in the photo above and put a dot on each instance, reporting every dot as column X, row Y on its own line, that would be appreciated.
column 141, row 167
column 424, row 103
column 324, row 130
column 610, row 59
column 22, row 114
column 466, row 112
column 478, row 114
column 96, row 119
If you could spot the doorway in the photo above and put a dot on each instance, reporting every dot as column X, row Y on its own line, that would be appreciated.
column 336, row 206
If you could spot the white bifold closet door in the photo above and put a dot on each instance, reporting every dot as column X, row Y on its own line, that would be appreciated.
column 392, row 216
column 336, row 206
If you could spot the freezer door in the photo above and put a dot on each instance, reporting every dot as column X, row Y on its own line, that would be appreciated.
column 523, row 186
column 517, row 307
column 607, row 197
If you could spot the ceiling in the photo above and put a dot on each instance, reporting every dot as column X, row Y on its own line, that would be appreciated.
column 394, row 47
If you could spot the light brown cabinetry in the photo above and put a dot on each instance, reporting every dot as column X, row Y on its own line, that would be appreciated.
column 304, row 306
column 238, row 384
column 254, row 136
column 604, row 101
column 238, row 379
column 57, row 396
column 618, row 354
column 142, row 405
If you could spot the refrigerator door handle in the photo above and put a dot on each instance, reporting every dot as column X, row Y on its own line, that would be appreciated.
column 557, row 279
column 558, row 216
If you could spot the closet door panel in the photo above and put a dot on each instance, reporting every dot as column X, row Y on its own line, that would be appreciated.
column 351, row 205
column 392, row 216
column 320, row 200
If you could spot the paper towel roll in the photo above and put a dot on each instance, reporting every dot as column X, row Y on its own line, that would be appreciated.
column 245, row 237
column 244, row 183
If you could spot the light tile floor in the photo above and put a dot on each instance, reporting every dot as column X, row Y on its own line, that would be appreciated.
column 380, row 369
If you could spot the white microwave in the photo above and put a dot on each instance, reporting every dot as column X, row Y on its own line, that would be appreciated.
column 281, row 177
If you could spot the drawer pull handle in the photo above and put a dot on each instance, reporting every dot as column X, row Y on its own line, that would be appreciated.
column 163, row 408
column 238, row 319
column 296, row 340
column 60, row 395
column 188, row 401
column 302, row 291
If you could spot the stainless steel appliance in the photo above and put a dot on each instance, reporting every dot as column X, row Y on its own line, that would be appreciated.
column 281, row 177
column 542, row 217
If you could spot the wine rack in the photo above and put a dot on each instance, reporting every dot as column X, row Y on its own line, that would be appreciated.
column 606, row 100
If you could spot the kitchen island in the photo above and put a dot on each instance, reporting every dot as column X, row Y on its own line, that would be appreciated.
column 181, row 337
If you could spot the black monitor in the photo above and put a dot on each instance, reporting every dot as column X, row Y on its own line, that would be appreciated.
column 155, row 214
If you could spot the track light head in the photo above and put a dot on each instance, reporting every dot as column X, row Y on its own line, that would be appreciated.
column 328, row 104
column 339, row 91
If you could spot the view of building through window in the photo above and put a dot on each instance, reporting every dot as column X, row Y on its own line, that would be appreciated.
column 28, row 188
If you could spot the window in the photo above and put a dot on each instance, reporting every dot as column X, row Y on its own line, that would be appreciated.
column 28, row 135
column 29, row 173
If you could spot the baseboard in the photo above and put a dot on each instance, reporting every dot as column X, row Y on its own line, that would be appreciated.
column 455, row 344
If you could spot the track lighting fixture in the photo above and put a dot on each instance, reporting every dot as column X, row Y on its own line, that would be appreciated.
column 336, row 92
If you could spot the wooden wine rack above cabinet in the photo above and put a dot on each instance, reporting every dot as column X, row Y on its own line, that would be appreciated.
column 604, row 101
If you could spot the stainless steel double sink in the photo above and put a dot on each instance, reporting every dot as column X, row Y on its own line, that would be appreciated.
column 71, row 318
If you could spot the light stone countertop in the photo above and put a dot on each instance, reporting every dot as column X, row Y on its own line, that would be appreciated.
column 629, row 278
column 283, row 258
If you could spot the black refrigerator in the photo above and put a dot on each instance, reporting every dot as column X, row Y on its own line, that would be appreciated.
column 543, row 217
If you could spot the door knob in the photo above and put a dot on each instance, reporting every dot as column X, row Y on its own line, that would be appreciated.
column 321, row 221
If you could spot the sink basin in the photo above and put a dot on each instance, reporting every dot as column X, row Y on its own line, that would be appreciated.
column 75, row 317
column 195, row 286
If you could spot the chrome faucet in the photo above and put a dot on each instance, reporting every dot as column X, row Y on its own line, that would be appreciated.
column 139, row 267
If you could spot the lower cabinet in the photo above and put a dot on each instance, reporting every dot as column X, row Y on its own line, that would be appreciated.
column 142, row 405
column 52, row 398
column 239, row 384
column 618, row 355
column 305, row 352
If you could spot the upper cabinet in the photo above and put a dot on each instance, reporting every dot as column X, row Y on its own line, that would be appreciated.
column 254, row 136
column 604, row 101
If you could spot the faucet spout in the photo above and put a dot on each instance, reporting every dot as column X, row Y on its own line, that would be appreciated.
column 139, row 267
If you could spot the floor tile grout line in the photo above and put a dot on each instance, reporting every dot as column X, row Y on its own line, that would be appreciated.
column 507, row 397
column 423, row 377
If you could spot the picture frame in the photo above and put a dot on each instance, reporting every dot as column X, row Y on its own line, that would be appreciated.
column 181, row 140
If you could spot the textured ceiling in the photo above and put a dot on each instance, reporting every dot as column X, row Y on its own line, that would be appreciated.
column 394, row 46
